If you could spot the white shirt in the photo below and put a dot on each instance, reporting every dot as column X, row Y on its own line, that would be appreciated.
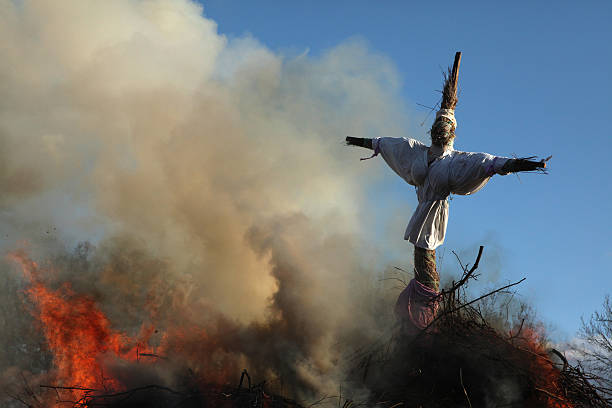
column 452, row 172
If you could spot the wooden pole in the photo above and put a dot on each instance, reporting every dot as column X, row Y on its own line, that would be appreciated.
column 455, row 72
column 451, row 83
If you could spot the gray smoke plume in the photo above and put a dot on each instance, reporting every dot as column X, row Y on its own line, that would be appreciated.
column 205, row 179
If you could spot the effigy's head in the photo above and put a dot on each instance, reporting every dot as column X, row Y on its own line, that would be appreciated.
column 443, row 129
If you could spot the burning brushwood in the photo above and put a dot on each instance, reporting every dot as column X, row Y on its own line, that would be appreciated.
column 458, row 360
column 244, row 396
column 461, row 360
column 436, row 171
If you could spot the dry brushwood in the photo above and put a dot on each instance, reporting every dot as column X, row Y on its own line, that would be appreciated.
column 461, row 360
column 245, row 395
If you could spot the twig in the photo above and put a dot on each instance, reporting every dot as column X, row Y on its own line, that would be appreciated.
column 467, row 275
column 133, row 390
column 425, row 106
column 153, row 355
column 463, row 386
column 519, row 330
column 18, row 399
column 57, row 387
column 488, row 294
column 558, row 354
column 469, row 303
column 317, row 402
column 29, row 390
column 548, row 360
column 432, row 109
column 459, row 260
column 550, row 394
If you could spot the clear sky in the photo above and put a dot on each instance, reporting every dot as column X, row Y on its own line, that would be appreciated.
column 535, row 80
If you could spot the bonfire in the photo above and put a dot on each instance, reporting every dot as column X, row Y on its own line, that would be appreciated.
column 460, row 360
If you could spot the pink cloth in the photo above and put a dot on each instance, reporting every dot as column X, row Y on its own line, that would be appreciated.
column 417, row 303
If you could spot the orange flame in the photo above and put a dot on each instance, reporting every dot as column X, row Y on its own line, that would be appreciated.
column 77, row 332
column 80, row 337
column 547, row 375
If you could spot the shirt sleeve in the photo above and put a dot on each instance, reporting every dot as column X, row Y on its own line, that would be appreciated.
column 400, row 153
column 469, row 172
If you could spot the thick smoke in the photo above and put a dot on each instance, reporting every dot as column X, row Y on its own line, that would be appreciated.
column 207, row 175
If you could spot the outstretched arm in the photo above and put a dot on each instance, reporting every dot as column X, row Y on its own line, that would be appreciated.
column 399, row 153
column 516, row 165
column 469, row 172
column 359, row 141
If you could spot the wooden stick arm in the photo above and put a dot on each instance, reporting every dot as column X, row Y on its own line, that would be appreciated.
column 517, row 165
column 359, row 141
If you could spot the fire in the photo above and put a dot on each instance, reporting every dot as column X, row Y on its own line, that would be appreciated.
column 77, row 332
column 80, row 337
column 547, row 376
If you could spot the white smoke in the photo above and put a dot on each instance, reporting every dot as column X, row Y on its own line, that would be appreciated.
column 209, row 174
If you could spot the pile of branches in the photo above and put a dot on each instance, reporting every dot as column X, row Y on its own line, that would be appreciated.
column 461, row 360
column 245, row 395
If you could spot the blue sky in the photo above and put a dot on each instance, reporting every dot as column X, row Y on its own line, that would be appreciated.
column 535, row 80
